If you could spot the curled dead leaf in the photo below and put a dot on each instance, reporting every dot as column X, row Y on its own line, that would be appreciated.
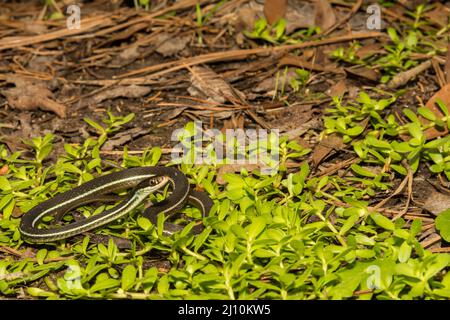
column 30, row 94
column 324, row 148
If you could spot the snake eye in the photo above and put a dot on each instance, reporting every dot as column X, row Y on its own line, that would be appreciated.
column 155, row 181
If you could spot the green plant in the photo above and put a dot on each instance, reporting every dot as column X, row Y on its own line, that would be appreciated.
column 286, row 235
column 301, row 78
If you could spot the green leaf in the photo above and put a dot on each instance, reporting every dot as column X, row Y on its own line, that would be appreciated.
column 255, row 228
column 415, row 130
column 426, row 113
column 104, row 284
column 355, row 131
column 94, row 125
column 38, row 292
column 163, row 285
column 363, row 172
column 411, row 115
column 144, row 223
column 436, row 143
column 393, row 35
column 377, row 143
column 128, row 277
column 4, row 184
column 442, row 106
column 443, row 224
column 382, row 221
column 238, row 231
column 404, row 252
column 437, row 263
column 349, row 223
column 40, row 256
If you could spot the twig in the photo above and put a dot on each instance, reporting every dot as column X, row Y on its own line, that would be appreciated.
column 172, row 66
column 403, row 77
column 87, row 25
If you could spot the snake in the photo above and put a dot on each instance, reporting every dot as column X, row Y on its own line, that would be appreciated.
column 143, row 181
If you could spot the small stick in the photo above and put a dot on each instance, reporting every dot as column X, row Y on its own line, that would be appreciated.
column 403, row 77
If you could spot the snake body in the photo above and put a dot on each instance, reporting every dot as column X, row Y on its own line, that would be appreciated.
column 143, row 180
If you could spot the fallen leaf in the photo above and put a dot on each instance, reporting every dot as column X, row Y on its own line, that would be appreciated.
column 324, row 17
column 369, row 50
column 133, row 91
column 436, row 202
column 439, row 15
column 233, row 123
column 338, row 89
column 208, row 83
column 444, row 95
column 4, row 170
column 16, row 213
column 126, row 56
column 274, row 10
column 324, row 147
column 292, row 117
column 300, row 14
column 172, row 114
column 363, row 72
column 30, row 94
column 428, row 197
column 170, row 44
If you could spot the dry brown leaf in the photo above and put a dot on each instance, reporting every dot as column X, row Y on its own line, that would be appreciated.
column 324, row 147
column 368, row 50
column 363, row 72
column 132, row 91
column 208, row 83
column 436, row 202
column 444, row 95
column 428, row 196
column 274, row 10
column 30, row 94
column 300, row 14
column 291, row 118
column 233, row 123
column 129, row 53
column 4, row 170
column 338, row 89
column 439, row 15
column 324, row 17
column 170, row 44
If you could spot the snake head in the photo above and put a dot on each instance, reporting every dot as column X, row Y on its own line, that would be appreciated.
column 152, row 184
